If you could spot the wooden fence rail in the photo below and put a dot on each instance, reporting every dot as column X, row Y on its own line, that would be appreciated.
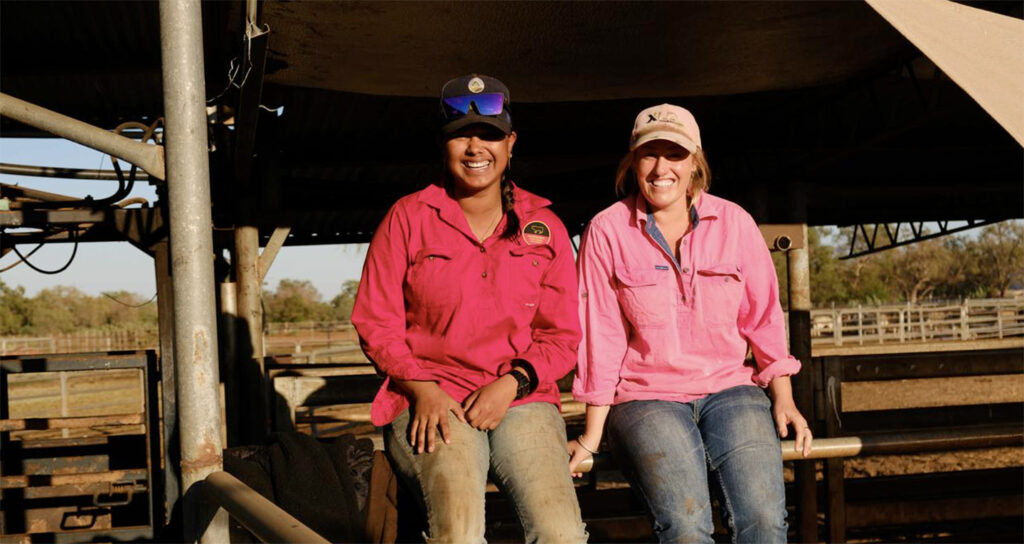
column 971, row 319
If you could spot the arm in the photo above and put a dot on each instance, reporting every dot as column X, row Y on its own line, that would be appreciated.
column 556, row 326
column 379, row 317
column 604, row 342
column 761, row 320
column 785, row 413
column 605, row 331
column 762, row 324
column 379, row 310
column 587, row 443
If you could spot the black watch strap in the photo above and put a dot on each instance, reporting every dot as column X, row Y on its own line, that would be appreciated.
column 522, row 384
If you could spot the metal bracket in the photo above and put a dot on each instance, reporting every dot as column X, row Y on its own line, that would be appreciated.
column 784, row 237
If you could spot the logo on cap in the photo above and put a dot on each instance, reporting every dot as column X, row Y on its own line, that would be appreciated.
column 663, row 116
column 475, row 85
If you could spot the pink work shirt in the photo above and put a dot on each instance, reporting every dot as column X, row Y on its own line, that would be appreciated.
column 435, row 304
column 655, row 329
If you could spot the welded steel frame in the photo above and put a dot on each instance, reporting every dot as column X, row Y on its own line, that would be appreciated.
column 870, row 243
column 146, row 361
column 1000, row 423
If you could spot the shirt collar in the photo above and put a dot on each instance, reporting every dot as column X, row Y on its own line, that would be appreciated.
column 436, row 196
column 706, row 207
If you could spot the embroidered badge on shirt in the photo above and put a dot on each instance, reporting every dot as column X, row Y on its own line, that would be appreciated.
column 660, row 267
column 536, row 232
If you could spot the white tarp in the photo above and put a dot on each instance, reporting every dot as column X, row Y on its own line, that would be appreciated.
column 983, row 52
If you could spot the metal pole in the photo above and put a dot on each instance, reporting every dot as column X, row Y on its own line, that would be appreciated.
column 798, row 266
column 165, row 318
column 250, row 339
column 63, row 173
column 195, row 329
column 148, row 157
column 267, row 521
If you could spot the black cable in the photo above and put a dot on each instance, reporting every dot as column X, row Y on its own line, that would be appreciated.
column 40, row 270
column 111, row 297
column 5, row 269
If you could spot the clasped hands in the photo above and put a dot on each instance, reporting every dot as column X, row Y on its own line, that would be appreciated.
column 483, row 410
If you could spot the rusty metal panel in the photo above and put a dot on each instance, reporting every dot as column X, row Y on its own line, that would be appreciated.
column 932, row 364
column 58, row 482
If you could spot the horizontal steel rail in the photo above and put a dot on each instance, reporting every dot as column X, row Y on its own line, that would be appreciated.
column 63, row 173
column 264, row 519
column 885, row 443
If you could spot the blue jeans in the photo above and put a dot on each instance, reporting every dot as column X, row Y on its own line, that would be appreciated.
column 667, row 448
column 527, row 459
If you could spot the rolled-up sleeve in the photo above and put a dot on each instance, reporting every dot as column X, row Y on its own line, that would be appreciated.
column 605, row 337
column 761, row 320
column 555, row 326
column 379, row 310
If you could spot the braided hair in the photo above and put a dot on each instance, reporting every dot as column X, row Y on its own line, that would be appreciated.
column 508, row 201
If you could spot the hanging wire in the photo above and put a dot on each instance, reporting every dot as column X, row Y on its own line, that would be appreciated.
column 16, row 263
column 121, row 302
column 71, row 259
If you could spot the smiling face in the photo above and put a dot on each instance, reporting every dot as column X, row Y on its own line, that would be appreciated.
column 476, row 157
column 663, row 174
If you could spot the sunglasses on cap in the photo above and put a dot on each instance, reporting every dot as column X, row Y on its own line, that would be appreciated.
column 483, row 103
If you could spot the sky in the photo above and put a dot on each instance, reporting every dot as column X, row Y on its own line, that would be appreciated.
column 115, row 266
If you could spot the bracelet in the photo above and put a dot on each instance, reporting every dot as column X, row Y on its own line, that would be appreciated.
column 584, row 446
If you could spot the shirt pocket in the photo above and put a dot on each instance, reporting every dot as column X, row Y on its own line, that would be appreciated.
column 720, row 289
column 432, row 279
column 645, row 302
column 527, row 266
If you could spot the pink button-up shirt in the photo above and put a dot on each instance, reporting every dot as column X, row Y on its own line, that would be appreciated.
column 436, row 304
column 657, row 329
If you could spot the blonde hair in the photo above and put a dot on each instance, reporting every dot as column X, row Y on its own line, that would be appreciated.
column 626, row 183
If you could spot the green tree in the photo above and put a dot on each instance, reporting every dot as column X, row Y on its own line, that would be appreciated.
column 294, row 301
column 14, row 310
column 341, row 304
column 1000, row 253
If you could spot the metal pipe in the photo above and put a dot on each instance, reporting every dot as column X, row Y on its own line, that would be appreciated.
column 888, row 443
column 195, row 329
column 249, row 364
column 66, row 173
column 148, row 157
column 264, row 519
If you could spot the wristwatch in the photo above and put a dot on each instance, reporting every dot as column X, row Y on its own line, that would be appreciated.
column 522, row 384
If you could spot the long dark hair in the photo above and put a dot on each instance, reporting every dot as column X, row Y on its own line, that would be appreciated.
column 508, row 200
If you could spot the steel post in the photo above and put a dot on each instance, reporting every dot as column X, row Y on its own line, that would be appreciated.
column 249, row 364
column 195, row 332
column 165, row 318
column 799, row 272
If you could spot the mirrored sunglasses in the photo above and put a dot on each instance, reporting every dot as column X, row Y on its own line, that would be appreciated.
column 483, row 103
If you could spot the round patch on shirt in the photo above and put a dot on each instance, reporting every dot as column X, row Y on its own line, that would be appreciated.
column 536, row 232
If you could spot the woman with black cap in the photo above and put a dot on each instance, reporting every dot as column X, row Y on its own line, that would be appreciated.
column 467, row 304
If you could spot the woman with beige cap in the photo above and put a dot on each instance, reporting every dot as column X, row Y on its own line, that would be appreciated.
column 675, row 285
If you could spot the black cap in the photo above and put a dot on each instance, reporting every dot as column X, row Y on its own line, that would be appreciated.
column 469, row 85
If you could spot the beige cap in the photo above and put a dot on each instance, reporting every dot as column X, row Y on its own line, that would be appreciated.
column 666, row 122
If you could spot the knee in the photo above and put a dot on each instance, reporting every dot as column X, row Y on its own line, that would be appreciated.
column 557, row 529
column 689, row 522
column 456, row 525
column 763, row 522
